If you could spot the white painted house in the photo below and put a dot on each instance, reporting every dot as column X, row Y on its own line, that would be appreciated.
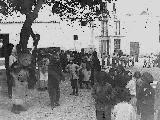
column 53, row 33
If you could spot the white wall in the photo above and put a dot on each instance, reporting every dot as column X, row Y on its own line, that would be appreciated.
column 135, row 31
column 52, row 34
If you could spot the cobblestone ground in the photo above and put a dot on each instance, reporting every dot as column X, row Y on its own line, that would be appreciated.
column 72, row 107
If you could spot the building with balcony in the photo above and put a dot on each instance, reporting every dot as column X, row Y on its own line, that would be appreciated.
column 111, row 38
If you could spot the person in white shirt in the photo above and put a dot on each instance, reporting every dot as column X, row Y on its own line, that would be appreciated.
column 134, row 85
column 123, row 111
column 44, row 73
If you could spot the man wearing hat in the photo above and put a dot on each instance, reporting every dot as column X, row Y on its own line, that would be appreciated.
column 146, row 96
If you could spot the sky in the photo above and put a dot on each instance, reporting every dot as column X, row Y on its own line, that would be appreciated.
column 137, row 6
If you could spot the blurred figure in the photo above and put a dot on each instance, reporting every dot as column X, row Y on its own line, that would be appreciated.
column 95, row 67
column 19, row 89
column 54, row 77
column 9, row 60
column 157, row 101
column 146, row 96
column 103, row 94
column 124, row 111
column 139, row 82
column 132, row 86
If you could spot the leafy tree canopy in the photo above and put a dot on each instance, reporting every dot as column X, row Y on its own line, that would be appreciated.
column 66, row 9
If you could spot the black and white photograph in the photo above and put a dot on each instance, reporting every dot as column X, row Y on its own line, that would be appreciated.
column 79, row 60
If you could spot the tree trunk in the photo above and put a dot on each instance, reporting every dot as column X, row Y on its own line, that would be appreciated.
column 25, row 33
column 26, row 29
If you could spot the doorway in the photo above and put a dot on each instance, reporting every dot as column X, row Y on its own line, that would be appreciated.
column 4, row 40
column 105, row 47
column 4, row 65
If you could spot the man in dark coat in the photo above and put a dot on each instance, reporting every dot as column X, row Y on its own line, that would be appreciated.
column 7, row 50
column 103, row 94
column 146, row 96
column 95, row 67
column 54, row 77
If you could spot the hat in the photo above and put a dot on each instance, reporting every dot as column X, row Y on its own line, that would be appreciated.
column 147, row 77
column 137, row 74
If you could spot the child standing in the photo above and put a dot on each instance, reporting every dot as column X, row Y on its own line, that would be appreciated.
column 73, row 70
column 86, row 71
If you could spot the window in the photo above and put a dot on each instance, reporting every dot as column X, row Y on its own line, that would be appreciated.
column 117, row 27
column 117, row 44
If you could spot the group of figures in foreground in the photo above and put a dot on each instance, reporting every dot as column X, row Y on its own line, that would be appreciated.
column 120, row 96
column 117, row 90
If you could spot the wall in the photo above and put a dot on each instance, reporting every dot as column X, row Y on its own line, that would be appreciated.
column 52, row 34
column 135, row 31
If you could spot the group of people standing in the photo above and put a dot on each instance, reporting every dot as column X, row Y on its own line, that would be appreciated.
column 83, row 73
column 150, row 61
column 108, row 89
column 50, row 72
column 123, row 96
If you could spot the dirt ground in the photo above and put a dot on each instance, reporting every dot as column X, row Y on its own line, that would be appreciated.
column 71, row 107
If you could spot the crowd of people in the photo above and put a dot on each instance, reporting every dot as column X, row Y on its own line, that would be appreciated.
column 111, row 90
column 118, row 59
column 150, row 61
